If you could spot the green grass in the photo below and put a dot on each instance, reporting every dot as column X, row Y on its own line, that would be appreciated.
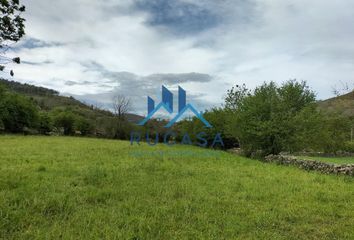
column 335, row 160
column 79, row 188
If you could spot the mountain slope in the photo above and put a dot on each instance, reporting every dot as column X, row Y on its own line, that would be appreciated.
column 343, row 104
column 48, row 99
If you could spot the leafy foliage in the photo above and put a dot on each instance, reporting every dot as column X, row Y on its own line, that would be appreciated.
column 17, row 112
column 275, row 118
column 64, row 120
column 217, row 117
column 45, row 124
column 235, row 95
column 12, row 28
column 66, row 115
column 11, row 23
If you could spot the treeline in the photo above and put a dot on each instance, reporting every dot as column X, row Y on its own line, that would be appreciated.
column 30, row 115
column 271, row 119
column 266, row 120
column 26, row 88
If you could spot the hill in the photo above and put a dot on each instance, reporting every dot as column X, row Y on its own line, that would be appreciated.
column 48, row 99
column 86, row 188
column 30, row 109
column 343, row 104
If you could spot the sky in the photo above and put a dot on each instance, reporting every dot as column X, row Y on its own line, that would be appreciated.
column 93, row 49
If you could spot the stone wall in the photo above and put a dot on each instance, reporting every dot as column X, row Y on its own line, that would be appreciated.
column 328, row 168
column 322, row 154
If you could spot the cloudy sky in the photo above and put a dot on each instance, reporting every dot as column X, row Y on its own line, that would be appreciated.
column 91, row 49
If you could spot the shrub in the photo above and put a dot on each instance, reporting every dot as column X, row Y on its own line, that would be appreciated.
column 263, row 120
column 349, row 147
column 83, row 125
column 45, row 123
column 217, row 117
column 18, row 112
column 65, row 120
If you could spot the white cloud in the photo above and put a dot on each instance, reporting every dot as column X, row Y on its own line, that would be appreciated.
column 252, row 42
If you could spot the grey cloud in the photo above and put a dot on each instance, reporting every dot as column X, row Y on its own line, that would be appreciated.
column 37, row 63
column 138, row 98
column 181, row 17
column 233, row 40
column 186, row 17
column 138, row 87
column 72, row 83
column 179, row 78
column 31, row 43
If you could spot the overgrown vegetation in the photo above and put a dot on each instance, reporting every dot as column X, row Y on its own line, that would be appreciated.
column 274, row 118
column 267, row 120
column 29, row 109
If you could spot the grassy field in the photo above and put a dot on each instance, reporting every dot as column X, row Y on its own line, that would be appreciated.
column 79, row 188
column 336, row 160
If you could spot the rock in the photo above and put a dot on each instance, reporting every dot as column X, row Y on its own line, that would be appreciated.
column 345, row 169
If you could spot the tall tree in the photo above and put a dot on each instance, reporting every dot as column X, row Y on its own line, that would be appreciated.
column 265, row 119
column 121, row 106
column 12, row 29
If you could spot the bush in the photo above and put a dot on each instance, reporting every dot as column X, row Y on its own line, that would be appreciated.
column 217, row 117
column 83, row 125
column 349, row 147
column 45, row 123
column 65, row 120
column 263, row 120
column 17, row 112
column 70, row 121
column 335, row 133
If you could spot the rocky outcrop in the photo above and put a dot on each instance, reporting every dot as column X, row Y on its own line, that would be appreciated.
column 328, row 168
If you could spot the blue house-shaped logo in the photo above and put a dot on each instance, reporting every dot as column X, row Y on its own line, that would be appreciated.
column 167, row 104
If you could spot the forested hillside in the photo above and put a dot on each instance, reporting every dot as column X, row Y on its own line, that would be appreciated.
column 32, row 109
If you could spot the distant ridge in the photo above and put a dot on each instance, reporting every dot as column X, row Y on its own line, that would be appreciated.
column 27, row 89
column 343, row 104
column 47, row 99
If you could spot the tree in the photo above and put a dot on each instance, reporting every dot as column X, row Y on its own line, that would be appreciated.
column 65, row 120
column 264, row 119
column 45, row 123
column 235, row 96
column 121, row 106
column 11, row 29
column 17, row 113
column 83, row 125
column 335, row 133
column 217, row 117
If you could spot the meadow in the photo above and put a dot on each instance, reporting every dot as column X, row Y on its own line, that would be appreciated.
column 73, row 188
